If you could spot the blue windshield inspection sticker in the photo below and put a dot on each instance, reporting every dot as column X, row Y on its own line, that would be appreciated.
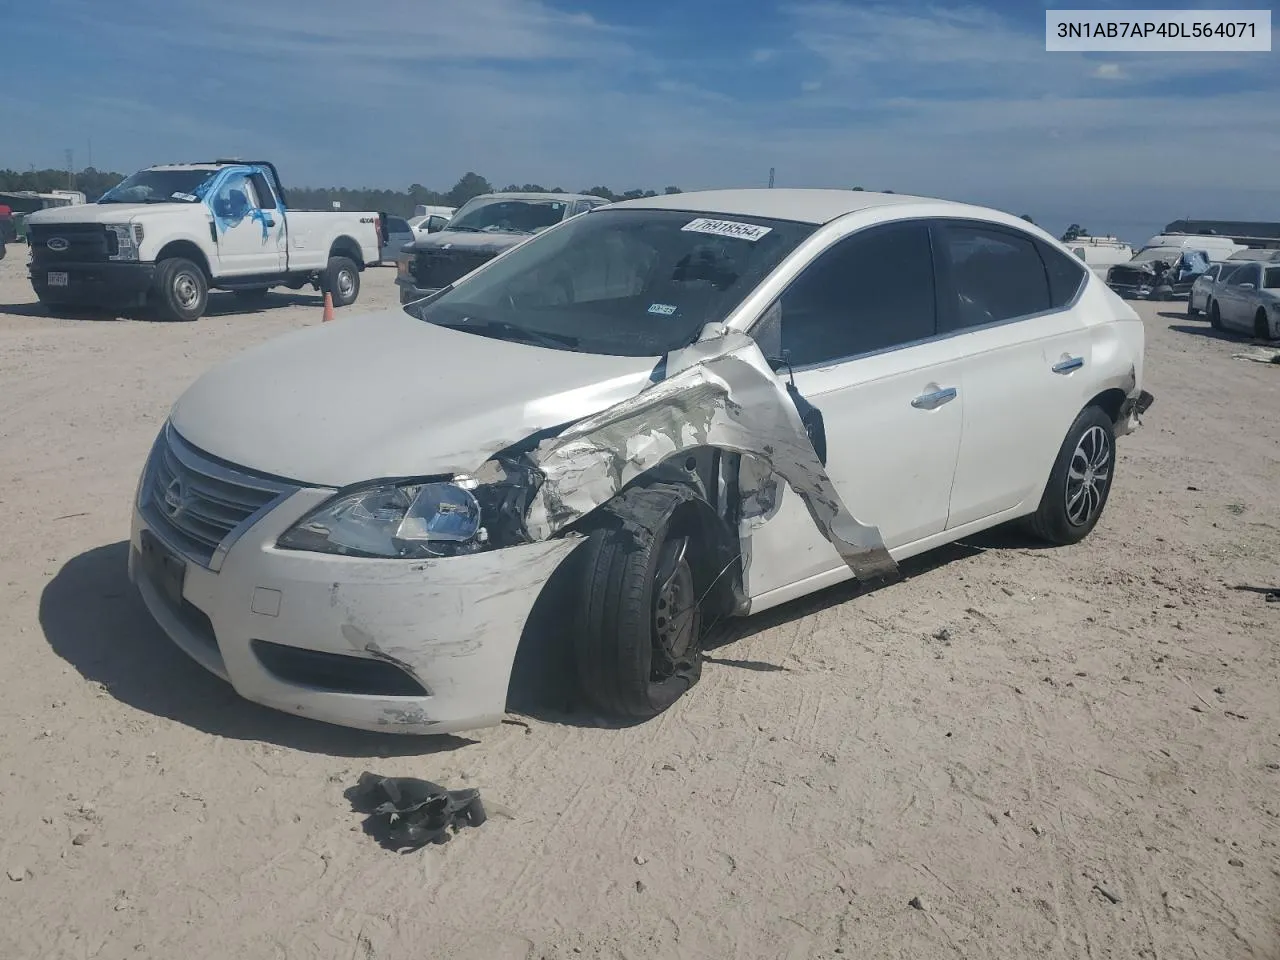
column 727, row 228
column 662, row 309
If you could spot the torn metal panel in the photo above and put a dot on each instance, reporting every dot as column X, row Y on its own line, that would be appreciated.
column 720, row 394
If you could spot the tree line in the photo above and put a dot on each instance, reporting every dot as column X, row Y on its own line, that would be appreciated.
column 94, row 183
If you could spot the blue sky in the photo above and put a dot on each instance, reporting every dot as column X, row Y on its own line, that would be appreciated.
column 957, row 100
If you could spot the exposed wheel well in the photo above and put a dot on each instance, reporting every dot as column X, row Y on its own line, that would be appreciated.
column 189, row 251
column 347, row 247
column 1110, row 401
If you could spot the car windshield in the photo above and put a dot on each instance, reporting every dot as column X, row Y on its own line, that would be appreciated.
column 634, row 283
column 1157, row 253
column 508, row 216
column 159, row 186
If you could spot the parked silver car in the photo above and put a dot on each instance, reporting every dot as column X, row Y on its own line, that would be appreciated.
column 1248, row 300
column 1202, row 289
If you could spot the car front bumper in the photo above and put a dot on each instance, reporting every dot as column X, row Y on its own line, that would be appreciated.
column 410, row 291
column 106, row 284
column 339, row 639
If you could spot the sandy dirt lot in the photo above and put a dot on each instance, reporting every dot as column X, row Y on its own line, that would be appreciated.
column 1061, row 753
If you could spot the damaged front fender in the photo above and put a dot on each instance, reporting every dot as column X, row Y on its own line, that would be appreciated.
column 725, row 396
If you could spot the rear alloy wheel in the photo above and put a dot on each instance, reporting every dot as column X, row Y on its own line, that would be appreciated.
column 181, row 292
column 637, row 633
column 1215, row 316
column 1261, row 329
column 1080, row 482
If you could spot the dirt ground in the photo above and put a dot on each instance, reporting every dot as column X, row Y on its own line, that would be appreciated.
column 1061, row 753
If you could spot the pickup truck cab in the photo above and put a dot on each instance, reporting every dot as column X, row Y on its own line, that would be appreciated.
column 162, row 238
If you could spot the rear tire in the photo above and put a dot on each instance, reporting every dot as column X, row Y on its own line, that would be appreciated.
column 1080, row 481
column 181, row 292
column 637, row 630
column 342, row 279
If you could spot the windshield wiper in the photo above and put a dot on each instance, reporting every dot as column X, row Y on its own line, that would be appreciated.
column 462, row 229
column 492, row 328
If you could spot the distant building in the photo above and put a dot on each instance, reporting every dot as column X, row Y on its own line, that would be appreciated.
column 1253, row 233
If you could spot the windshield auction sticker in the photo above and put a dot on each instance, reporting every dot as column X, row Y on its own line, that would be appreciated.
column 727, row 228
column 1157, row 31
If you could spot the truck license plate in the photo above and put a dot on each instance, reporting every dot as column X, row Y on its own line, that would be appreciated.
column 57, row 279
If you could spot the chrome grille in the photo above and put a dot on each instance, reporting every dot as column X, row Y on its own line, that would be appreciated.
column 198, row 505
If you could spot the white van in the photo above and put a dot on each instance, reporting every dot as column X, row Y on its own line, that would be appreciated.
column 1101, row 253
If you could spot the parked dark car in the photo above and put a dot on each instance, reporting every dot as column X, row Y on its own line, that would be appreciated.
column 482, row 228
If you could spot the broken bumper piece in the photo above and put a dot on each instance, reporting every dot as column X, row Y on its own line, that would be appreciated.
column 415, row 647
column 1131, row 412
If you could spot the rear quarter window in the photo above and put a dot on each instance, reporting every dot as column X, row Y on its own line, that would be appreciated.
column 1066, row 275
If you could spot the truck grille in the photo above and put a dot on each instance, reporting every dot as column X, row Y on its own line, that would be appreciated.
column 433, row 269
column 197, row 504
column 85, row 242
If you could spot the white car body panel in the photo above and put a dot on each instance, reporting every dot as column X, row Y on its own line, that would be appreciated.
column 388, row 396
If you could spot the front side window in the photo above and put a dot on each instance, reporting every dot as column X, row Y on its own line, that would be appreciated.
column 1271, row 280
column 234, row 198
column 1245, row 274
column 500, row 215
column 1212, row 272
column 996, row 275
column 871, row 291
column 396, row 225
column 622, row 282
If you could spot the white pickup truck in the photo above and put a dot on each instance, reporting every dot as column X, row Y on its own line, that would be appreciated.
column 162, row 238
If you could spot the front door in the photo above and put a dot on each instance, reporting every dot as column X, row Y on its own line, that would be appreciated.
column 851, row 326
column 250, row 232
column 1234, row 303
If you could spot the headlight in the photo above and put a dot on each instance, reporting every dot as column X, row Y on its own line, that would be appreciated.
column 123, row 240
column 403, row 521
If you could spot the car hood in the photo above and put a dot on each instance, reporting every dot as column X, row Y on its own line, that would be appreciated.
column 387, row 395
column 106, row 212
column 491, row 242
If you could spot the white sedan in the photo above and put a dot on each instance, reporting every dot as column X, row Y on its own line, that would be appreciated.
column 644, row 419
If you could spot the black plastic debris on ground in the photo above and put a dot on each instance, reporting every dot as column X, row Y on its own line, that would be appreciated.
column 406, row 814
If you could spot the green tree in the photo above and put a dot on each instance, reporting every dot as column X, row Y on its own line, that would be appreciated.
column 471, row 185
column 672, row 191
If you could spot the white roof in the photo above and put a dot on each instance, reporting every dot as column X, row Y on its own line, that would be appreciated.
column 801, row 206
column 565, row 197
column 190, row 166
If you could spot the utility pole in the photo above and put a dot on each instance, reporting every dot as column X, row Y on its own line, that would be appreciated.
column 71, row 177
column 90, row 163
column 771, row 172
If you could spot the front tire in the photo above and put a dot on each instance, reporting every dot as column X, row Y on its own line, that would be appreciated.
column 1215, row 316
column 1080, row 481
column 181, row 292
column 1261, row 329
column 342, row 279
column 1191, row 311
column 637, row 633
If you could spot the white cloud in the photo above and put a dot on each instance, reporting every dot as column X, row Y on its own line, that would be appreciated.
column 763, row 55
column 1108, row 71
column 810, row 86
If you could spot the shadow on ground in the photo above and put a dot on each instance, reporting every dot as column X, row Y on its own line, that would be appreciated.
column 221, row 304
column 93, row 619
column 1210, row 333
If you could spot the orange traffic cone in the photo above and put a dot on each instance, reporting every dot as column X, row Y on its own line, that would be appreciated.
column 328, row 307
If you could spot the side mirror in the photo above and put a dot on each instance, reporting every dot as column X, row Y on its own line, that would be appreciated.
column 1246, row 286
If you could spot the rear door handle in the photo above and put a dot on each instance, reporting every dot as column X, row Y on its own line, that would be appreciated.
column 931, row 401
column 1069, row 364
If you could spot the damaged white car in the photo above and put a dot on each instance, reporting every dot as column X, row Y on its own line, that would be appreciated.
column 649, row 418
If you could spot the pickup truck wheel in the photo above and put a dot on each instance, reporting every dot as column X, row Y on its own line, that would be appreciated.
column 181, row 292
column 343, row 278
column 637, row 627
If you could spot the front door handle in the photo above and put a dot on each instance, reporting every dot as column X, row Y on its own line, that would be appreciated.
column 931, row 401
column 1069, row 364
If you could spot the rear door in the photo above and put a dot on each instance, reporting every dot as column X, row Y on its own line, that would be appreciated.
column 1011, row 299
column 1235, row 304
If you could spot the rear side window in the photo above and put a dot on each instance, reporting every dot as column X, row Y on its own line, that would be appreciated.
column 996, row 275
column 396, row 225
column 1066, row 275
column 1272, row 279
column 871, row 291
